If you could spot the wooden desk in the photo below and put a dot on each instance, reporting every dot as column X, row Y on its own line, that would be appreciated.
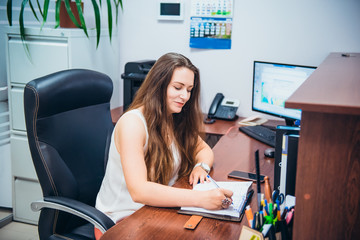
column 213, row 132
column 234, row 151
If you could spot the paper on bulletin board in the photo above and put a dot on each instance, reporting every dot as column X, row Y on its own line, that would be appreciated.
column 211, row 24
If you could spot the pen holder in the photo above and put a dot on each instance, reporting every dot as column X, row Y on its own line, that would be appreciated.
column 281, row 231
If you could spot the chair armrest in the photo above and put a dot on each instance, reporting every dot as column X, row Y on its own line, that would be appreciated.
column 89, row 213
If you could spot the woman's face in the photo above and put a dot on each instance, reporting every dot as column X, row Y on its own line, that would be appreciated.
column 179, row 89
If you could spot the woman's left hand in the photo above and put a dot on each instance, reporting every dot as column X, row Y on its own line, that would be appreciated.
column 198, row 175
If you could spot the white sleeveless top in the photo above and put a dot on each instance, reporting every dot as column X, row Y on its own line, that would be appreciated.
column 114, row 198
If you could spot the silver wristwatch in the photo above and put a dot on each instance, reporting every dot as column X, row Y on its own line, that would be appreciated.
column 203, row 166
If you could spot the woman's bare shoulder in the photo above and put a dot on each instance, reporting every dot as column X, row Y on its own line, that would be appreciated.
column 130, row 122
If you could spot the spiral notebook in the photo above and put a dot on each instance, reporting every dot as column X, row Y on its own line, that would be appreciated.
column 242, row 193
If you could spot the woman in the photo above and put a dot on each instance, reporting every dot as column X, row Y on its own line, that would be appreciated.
column 156, row 141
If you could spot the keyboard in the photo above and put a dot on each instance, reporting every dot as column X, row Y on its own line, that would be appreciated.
column 260, row 133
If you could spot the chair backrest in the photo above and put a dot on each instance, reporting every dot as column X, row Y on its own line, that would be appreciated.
column 69, row 126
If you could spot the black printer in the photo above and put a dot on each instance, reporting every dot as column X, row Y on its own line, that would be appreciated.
column 134, row 75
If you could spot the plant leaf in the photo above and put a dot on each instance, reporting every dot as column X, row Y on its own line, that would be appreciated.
column 9, row 11
column 39, row 7
column 57, row 13
column 71, row 15
column 81, row 16
column 121, row 5
column 97, row 21
column 117, row 3
column 116, row 10
column 21, row 20
column 117, row 14
column 109, row 18
column 22, row 28
column 33, row 10
column 46, row 9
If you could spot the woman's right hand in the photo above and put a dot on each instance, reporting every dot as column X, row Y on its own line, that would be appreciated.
column 215, row 199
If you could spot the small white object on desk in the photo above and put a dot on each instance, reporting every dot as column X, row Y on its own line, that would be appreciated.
column 253, row 121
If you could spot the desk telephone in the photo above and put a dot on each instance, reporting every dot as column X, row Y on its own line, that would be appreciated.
column 223, row 108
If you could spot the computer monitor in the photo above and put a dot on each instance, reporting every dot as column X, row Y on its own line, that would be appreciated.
column 273, row 84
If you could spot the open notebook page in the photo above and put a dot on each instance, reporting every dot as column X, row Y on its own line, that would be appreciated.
column 239, row 190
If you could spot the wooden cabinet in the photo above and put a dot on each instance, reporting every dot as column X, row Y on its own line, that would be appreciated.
column 51, row 50
column 328, row 165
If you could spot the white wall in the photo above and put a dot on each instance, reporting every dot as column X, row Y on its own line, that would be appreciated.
column 286, row 31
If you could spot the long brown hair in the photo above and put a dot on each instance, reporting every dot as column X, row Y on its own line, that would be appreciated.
column 185, row 125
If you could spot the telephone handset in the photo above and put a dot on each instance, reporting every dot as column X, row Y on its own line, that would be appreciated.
column 215, row 104
column 223, row 108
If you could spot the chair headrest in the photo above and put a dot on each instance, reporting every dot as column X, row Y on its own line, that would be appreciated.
column 82, row 88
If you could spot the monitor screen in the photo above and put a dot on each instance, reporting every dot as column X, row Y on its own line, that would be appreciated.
column 273, row 84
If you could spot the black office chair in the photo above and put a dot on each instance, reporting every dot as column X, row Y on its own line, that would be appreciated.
column 69, row 126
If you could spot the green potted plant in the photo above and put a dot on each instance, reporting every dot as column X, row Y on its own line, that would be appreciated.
column 75, row 13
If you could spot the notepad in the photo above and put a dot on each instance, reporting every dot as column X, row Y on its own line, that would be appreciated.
column 236, row 210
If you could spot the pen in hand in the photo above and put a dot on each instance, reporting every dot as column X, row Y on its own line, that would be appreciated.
column 225, row 202
column 213, row 181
